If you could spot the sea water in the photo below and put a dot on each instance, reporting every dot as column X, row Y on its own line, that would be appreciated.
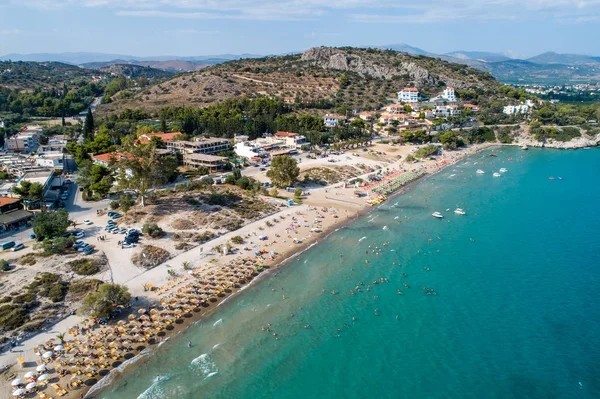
column 502, row 302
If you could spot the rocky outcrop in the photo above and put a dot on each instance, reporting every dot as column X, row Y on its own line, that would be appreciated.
column 332, row 58
column 524, row 138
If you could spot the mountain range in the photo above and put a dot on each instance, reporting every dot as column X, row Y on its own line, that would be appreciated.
column 549, row 67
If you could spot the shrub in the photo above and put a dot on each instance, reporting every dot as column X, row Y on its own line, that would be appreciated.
column 114, row 204
column 102, row 302
column 4, row 265
column 82, row 287
column 237, row 240
column 274, row 192
column 84, row 267
column 28, row 259
column 126, row 201
column 153, row 230
column 58, row 291
column 13, row 316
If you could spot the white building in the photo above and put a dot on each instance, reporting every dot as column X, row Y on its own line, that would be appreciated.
column 516, row 109
column 409, row 95
column 53, row 160
column 333, row 120
column 449, row 94
column 24, row 141
column 446, row 110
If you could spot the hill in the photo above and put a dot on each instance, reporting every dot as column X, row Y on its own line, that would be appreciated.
column 564, row 59
column 323, row 78
column 478, row 56
column 28, row 75
column 174, row 66
column 132, row 71
column 519, row 71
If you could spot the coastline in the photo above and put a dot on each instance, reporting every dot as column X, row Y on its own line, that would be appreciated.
column 352, row 208
column 287, row 257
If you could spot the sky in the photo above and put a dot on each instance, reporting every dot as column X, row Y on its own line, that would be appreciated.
column 518, row 28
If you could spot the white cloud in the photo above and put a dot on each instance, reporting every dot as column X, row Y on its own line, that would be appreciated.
column 365, row 11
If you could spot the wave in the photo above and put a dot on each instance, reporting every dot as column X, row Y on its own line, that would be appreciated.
column 154, row 390
column 397, row 217
column 205, row 365
column 218, row 323
column 385, row 228
column 115, row 373
column 216, row 346
column 363, row 238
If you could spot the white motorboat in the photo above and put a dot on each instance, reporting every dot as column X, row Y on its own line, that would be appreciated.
column 437, row 215
column 480, row 172
column 460, row 211
column 502, row 170
column 496, row 174
column 525, row 147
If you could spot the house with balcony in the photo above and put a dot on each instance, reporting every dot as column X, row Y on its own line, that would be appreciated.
column 409, row 95
column 331, row 120
column 202, row 145
column 212, row 162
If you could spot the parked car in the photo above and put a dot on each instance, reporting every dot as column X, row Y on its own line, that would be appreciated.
column 115, row 215
column 88, row 250
column 81, row 234
column 78, row 243
column 110, row 222
column 17, row 247
column 8, row 244
column 122, row 230
column 87, row 221
column 109, row 214
column 126, row 245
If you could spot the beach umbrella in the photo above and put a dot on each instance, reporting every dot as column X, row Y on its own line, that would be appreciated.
column 31, row 385
column 59, row 348
column 16, row 381
column 43, row 377
column 41, row 367
column 29, row 374
column 131, row 317
column 18, row 392
column 47, row 355
column 141, row 311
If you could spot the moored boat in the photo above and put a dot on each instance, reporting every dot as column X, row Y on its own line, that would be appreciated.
column 437, row 215
column 525, row 147
column 503, row 170
column 480, row 172
column 460, row 211
column 496, row 174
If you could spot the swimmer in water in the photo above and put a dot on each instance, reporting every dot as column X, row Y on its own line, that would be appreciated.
column 157, row 378
column 189, row 344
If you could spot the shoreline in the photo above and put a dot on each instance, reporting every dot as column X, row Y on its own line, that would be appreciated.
column 358, row 209
column 364, row 210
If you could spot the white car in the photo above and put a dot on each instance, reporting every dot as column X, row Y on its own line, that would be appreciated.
column 81, row 234
column 87, row 221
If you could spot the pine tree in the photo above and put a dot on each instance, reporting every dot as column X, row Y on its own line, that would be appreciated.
column 163, row 125
column 88, row 125
column 63, row 123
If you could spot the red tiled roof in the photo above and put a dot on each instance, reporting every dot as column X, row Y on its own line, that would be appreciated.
column 410, row 89
column 165, row 137
column 286, row 134
column 8, row 200
column 109, row 156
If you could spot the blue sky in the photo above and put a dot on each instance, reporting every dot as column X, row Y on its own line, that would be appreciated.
column 200, row 27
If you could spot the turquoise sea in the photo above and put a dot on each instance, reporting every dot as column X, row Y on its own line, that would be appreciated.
column 516, row 310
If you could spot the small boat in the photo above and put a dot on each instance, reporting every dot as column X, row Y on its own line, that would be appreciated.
column 460, row 211
column 496, row 174
column 480, row 172
column 502, row 170
column 437, row 215
column 551, row 178
column 525, row 148
column 559, row 177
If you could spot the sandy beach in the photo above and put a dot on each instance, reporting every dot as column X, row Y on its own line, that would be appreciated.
column 267, row 244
